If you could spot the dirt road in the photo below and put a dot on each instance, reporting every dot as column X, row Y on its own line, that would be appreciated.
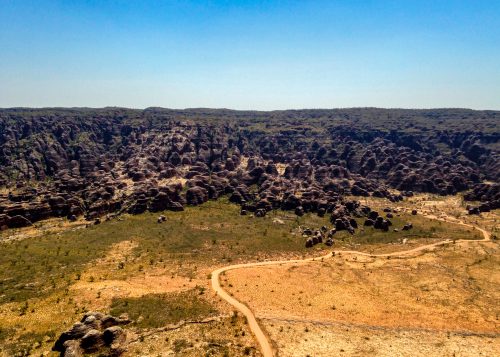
column 260, row 336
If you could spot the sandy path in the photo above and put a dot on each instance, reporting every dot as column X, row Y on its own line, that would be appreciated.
column 261, row 338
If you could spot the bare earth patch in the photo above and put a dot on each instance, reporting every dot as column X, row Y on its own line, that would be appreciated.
column 152, row 281
column 298, row 339
column 452, row 290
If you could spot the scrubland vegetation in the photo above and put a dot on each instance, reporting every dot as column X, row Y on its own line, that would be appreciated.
column 37, row 275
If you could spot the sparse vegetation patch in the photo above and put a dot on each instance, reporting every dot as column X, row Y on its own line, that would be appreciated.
column 158, row 310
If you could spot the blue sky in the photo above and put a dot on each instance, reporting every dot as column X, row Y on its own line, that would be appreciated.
column 250, row 54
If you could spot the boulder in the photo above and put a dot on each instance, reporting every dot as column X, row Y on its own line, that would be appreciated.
column 160, row 202
column 260, row 212
column 175, row 206
column 113, row 335
column 92, row 340
column 307, row 231
column 18, row 222
column 196, row 195
column 72, row 348
column 108, row 321
column 369, row 222
column 76, row 332
column 473, row 210
column 407, row 227
column 299, row 211
column 309, row 243
column 331, row 232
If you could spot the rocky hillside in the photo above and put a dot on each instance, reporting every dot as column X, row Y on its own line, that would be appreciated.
column 92, row 162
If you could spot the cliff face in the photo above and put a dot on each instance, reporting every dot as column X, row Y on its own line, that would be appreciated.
column 67, row 162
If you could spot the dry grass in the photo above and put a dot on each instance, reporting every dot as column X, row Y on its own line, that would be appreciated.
column 102, row 281
column 299, row 339
column 48, row 282
column 440, row 303
column 228, row 337
column 75, row 270
column 103, row 286
column 50, row 226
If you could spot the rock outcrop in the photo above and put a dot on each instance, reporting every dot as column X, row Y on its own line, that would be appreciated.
column 92, row 162
column 95, row 333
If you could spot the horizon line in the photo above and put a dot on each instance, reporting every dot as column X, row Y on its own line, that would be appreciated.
column 240, row 110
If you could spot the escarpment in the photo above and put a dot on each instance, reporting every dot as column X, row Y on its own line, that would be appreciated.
column 93, row 162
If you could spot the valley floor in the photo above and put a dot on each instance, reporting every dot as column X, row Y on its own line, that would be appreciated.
column 434, row 303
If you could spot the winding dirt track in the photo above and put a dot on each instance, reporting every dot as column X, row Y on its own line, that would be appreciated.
column 261, row 338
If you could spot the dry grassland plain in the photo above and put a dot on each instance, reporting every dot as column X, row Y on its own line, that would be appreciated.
column 437, row 303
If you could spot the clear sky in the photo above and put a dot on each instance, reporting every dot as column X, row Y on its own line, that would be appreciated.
column 250, row 54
